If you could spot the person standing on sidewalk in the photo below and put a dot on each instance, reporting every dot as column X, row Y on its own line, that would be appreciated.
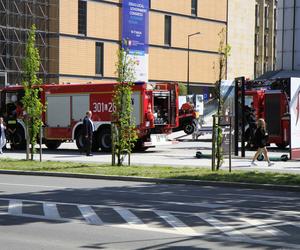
column 2, row 135
column 261, row 139
column 88, row 129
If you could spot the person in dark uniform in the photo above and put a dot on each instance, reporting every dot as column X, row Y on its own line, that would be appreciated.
column 261, row 140
column 250, row 118
column 88, row 128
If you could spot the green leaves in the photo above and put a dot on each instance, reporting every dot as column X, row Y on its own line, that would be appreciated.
column 31, row 101
column 124, row 136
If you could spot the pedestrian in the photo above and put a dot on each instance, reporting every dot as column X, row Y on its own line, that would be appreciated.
column 88, row 129
column 2, row 135
column 261, row 138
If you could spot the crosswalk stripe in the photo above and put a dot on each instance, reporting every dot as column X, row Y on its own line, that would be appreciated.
column 264, row 225
column 89, row 214
column 227, row 229
column 51, row 211
column 15, row 207
column 175, row 222
column 128, row 216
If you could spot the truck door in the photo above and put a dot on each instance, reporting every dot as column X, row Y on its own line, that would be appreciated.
column 173, row 114
column 58, row 113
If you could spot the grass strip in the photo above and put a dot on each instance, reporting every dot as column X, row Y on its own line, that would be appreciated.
column 184, row 173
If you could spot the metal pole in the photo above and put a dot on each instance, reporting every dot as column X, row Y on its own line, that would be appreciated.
column 188, row 67
column 213, row 145
column 243, row 117
column 230, row 137
column 188, row 62
column 236, row 118
column 41, row 135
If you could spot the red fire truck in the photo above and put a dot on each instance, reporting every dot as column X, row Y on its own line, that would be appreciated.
column 271, row 102
column 66, row 105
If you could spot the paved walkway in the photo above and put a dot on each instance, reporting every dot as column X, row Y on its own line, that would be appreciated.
column 180, row 154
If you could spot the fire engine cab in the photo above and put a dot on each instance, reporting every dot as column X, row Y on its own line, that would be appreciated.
column 270, row 99
column 155, row 112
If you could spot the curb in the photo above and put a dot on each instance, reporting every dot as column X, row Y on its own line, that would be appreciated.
column 157, row 180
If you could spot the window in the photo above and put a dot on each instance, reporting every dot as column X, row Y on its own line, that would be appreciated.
column 256, row 44
column 168, row 30
column 99, row 58
column 194, row 8
column 266, row 45
column 275, row 19
column 82, row 17
column 267, row 17
column 257, row 15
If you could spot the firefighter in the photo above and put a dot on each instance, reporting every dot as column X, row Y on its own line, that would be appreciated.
column 150, row 115
column 250, row 118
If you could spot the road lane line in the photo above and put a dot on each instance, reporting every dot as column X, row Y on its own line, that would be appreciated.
column 51, row 211
column 265, row 226
column 128, row 216
column 89, row 214
column 177, row 224
column 226, row 229
column 15, row 207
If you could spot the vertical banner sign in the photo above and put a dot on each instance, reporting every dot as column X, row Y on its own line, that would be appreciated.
column 295, row 118
column 135, row 34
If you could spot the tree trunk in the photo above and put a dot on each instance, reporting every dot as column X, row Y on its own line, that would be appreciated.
column 27, row 139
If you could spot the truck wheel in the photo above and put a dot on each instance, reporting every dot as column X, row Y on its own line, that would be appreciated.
column 138, row 146
column 188, row 128
column 18, row 141
column 53, row 144
column 105, row 139
column 282, row 145
column 79, row 141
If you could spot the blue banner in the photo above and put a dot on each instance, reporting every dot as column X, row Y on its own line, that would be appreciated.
column 135, row 26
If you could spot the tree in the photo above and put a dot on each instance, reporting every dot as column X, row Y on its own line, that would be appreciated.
column 31, row 101
column 182, row 89
column 224, row 53
column 124, row 133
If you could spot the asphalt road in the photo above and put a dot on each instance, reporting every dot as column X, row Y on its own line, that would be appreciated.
column 65, row 213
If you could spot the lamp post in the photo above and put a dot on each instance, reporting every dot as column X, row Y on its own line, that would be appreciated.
column 188, row 62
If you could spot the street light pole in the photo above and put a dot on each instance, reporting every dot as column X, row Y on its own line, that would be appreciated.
column 188, row 62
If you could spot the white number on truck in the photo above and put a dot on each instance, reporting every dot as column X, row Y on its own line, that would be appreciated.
column 99, row 107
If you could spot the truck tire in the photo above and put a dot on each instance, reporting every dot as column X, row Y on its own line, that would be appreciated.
column 105, row 139
column 79, row 141
column 53, row 144
column 188, row 128
column 282, row 145
column 18, row 140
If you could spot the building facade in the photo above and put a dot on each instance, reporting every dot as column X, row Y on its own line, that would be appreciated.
column 265, row 36
column 288, row 35
column 241, row 33
column 78, row 39
column 16, row 18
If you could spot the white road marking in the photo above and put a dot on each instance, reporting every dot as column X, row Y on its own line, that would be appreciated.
column 128, row 216
column 51, row 211
column 89, row 214
column 227, row 229
column 175, row 222
column 198, row 204
column 264, row 225
column 15, row 207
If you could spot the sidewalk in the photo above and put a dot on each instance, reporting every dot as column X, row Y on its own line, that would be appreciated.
column 181, row 154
